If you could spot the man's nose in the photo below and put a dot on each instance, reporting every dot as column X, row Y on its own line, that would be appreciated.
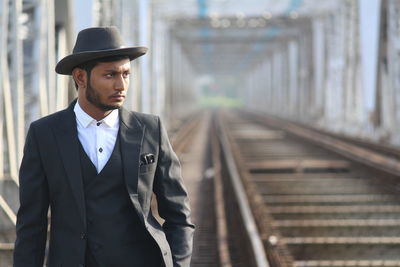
column 120, row 83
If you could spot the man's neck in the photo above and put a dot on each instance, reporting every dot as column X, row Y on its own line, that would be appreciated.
column 93, row 111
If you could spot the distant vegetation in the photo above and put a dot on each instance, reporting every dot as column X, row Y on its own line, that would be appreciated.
column 220, row 101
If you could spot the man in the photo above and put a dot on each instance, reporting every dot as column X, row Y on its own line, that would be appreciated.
column 96, row 165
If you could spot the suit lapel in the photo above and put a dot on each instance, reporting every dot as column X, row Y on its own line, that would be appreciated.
column 131, row 134
column 67, row 141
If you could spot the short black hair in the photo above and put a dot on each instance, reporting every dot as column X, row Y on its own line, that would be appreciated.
column 89, row 65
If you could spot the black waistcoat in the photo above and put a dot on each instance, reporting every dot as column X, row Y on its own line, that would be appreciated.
column 115, row 235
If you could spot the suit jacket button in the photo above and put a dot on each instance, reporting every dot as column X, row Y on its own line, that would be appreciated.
column 83, row 236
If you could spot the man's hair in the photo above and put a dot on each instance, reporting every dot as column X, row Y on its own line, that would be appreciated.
column 89, row 65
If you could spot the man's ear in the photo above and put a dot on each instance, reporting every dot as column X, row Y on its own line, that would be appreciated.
column 80, row 77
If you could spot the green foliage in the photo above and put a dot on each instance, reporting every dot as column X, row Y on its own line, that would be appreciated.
column 220, row 101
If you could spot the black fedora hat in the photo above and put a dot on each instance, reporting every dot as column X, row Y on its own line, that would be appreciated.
column 94, row 43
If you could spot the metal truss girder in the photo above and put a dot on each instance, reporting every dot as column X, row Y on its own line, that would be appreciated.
column 8, row 119
column 235, row 22
column 6, row 109
column 17, row 80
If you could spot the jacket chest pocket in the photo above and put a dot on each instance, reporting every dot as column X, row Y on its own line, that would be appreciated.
column 147, row 168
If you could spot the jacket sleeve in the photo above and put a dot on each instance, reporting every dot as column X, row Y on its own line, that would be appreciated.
column 34, row 202
column 173, row 202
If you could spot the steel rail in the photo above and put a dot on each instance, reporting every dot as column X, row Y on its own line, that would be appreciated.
column 357, row 153
column 386, row 149
column 221, row 219
column 255, row 239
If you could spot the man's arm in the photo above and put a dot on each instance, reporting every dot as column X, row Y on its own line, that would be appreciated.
column 173, row 203
column 34, row 202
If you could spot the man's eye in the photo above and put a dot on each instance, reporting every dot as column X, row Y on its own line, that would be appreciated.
column 126, row 74
column 109, row 75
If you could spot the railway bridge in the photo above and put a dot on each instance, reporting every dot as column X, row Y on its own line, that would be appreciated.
column 284, row 115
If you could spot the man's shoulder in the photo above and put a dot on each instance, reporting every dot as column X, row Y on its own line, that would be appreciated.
column 144, row 119
column 50, row 120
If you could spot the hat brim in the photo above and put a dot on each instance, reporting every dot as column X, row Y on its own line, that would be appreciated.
column 68, row 63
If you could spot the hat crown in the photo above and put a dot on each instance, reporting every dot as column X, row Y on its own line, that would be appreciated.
column 95, row 43
column 97, row 38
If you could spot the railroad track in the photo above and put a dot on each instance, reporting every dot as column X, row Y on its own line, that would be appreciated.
column 312, row 206
column 191, row 144
column 214, row 244
column 275, row 196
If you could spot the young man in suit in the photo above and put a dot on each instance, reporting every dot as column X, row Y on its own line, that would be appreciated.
column 96, row 165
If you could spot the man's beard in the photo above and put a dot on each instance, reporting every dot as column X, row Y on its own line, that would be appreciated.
column 94, row 98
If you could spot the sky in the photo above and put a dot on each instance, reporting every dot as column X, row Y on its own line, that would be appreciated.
column 369, row 27
column 83, row 17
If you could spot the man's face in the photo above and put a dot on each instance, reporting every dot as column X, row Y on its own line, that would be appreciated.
column 108, row 83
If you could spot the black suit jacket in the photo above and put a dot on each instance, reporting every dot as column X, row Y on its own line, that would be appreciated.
column 50, row 175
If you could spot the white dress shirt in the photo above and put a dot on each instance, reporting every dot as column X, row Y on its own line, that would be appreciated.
column 97, row 137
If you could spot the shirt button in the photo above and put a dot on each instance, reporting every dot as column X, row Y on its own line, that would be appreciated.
column 100, row 150
column 98, row 124
column 83, row 236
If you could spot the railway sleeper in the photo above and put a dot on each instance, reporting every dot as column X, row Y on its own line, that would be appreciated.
column 315, row 199
column 347, row 263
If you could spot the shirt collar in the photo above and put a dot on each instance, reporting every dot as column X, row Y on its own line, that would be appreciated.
column 112, row 119
column 85, row 119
